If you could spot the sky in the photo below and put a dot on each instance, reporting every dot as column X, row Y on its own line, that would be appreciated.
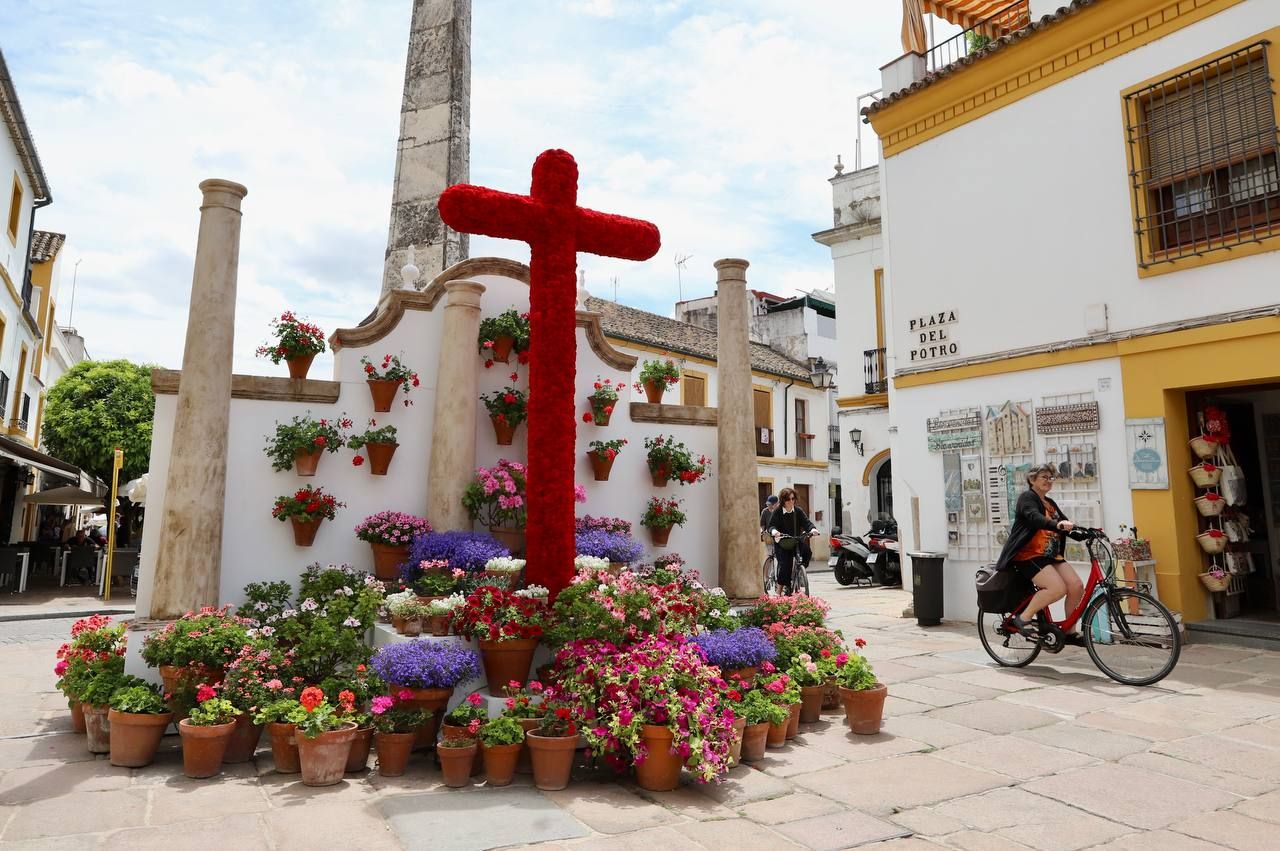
column 718, row 120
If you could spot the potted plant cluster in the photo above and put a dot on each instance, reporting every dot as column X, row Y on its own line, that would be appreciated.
column 383, row 382
column 603, row 399
column 196, row 648
column 302, row 442
column 782, row 690
column 379, row 443
column 508, row 628
column 297, row 343
column 501, row 334
column 670, row 459
column 507, row 408
column 496, row 498
column 465, row 551
column 602, row 454
column 304, row 509
column 655, row 377
column 758, row 714
column 260, row 674
column 737, row 653
column 429, row 672
column 96, row 649
column 389, row 534
column 396, row 723
column 660, row 516
column 619, row 549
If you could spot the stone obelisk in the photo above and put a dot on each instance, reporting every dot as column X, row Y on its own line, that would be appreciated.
column 434, row 151
column 739, row 529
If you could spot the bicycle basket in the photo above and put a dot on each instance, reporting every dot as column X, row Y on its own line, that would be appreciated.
column 788, row 544
column 1000, row 590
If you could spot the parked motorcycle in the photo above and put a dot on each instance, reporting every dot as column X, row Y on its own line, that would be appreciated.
column 868, row 560
column 848, row 560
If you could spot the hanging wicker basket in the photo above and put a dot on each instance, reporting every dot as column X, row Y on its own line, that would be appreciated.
column 1204, row 447
column 1216, row 584
column 1205, row 475
column 1212, row 541
column 1210, row 505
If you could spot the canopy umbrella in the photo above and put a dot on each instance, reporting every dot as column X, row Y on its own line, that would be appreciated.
column 65, row 495
column 913, row 37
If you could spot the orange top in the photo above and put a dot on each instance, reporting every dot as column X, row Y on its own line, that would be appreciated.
column 1044, row 542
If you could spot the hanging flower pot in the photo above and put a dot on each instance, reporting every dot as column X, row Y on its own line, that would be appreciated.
column 384, row 383
column 304, row 531
column 1216, row 582
column 387, row 560
column 297, row 343
column 601, row 464
column 656, row 376
column 660, row 535
column 1210, row 505
column 501, row 351
column 754, row 738
column 864, row 708
column 660, row 770
column 304, row 509
column 324, row 757
column 1206, row 475
column 380, row 456
column 601, row 411
column 305, row 461
column 97, row 728
column 383, row 391
column 393, row 752
column 507, row 661
column 603, row 400
column 299, row 366
column 503, row 431
column 653, row 391
column 661, row 474
column 502, row 333
column 284, row 747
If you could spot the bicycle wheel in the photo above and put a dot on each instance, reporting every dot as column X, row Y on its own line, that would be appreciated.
column 1009, row 649
column 799, row 579
column 771, row 576
column 1131, row 637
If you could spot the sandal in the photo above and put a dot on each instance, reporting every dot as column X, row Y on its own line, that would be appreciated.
column 1028, row 631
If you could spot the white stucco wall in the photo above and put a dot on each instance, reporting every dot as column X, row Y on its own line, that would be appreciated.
column 13, row 255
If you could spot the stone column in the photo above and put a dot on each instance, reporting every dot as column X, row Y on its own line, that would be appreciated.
column 189, row 562
column 736, row 452
column 434, row 150
column 453, row 431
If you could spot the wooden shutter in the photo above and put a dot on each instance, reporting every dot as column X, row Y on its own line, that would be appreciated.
column 695, row 390
column 764, row 408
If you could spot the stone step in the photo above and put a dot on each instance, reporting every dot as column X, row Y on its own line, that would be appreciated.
column 1261, row 635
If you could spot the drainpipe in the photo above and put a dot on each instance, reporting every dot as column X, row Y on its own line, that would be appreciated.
column 26, row 278
column 785, row 390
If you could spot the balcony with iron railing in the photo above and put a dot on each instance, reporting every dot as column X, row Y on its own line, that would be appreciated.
column 874, row 372
column 1005, row 20
column 833, row 438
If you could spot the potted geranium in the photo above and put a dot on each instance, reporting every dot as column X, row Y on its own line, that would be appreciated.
column 457, row 756
column 303, row 441
column 861, row 693
column 96, row 645
column 507, row 408
column 383, row 383
column 620, row 608
column 502, row 333
column 206, row 732
column 655, row 377
column 429, row 671
column 660, row 516
column 297, row 343
column 602, row 453
column 257, row 676
column 508, row 628
column 520, row 704
column 304, row 509
column 784, row 691
column 275, row 716
column 389, row 534
column 760, row 713
column 670, row 459
column 379, row 443
column 496, row 498
column 605, row 524
column 675, row 721
column 809, row 676
column 501, row 740
column 465, row 719
column 603, row 399
column 196, row 648
column 138, row 718
column 738, row 654
column 618, row 549
column 793, row 641
column 552, row 746
column 395, row 724
column 323, row 735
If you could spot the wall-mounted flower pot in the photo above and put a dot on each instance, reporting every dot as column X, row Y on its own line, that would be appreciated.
column 661, row 474
column 380, row 457
column 305, row 461
column 304, row 531
column 653, row 391
column 501, row 351
column 601, row 464
column 599, row 416
column 299, row 366
column 503, row 432
column 383, row 391
column 660, row 535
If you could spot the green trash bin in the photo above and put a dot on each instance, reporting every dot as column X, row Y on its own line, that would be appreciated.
column 926, row 587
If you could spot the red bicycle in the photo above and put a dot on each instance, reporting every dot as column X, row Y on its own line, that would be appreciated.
column 1129, row 634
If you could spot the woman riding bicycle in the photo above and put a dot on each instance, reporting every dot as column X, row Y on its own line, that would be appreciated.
column 1035, row 549
column 789, row 520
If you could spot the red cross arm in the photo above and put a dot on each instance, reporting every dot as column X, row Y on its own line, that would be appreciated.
column 474, row 209
column 616, row 236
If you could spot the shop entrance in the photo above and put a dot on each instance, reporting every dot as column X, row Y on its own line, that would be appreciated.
column 1244, row 422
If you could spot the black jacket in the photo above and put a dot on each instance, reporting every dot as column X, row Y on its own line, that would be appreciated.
column 796, row 523
column 1030, row 518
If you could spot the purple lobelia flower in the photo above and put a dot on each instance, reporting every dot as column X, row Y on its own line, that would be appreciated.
column 469, row 551
column 741, row 648
column 608, row 545
column 425, row 664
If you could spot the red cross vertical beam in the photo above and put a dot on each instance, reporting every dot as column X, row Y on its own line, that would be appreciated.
column 556, row 229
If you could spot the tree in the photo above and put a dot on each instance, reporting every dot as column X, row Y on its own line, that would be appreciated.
column 96, row 407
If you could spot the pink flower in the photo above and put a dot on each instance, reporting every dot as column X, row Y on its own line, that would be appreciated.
column 381, row 704
column 475, row 699
column 404, row 694
column 842, row 658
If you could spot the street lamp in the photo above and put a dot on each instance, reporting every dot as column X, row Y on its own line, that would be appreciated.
column 855, row 437
column 820, row 375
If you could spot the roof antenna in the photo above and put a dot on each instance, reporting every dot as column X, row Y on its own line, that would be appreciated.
column 681, row 260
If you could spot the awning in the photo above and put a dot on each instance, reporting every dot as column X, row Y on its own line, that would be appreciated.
column 23, row 454
column 66, row 495
column 1009, row 16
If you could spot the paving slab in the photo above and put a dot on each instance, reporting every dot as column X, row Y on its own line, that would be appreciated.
column 1018, row 758
column 854, row 748
column 743, row 785
column 1186, row 677
column 1068, row 701
column 1163, row 840
column 902, row 782
column 1131, row 796
column 927, row 821
column 1215, row 655
column 1264, row 807
column 1232, row 830
column 51, row 780
column 172, row 804
column 893, row 673
column 656, row 839
column 687, row 802
column 1228, row 781
column 958, row 685
column 243, row 832
column 1031, row 820
column 1236, row 706
column 937, row 664
column 1150, row 730
column 798, row 759
column 610, row 808
column 895, row 706
column 932, row 731
column 737, row 834
column 915, row 843
column 801, row 805
column 1175, row 714
column 973, row 840
column 91, row 812
column 1226, row 754
column 1101, row 744
column 338, row 824
column 1264, row 664
column 994, row 716
column 999, row 679
column 1263, row 735
column 57, row 748
column 840, row 830
column 930, row 695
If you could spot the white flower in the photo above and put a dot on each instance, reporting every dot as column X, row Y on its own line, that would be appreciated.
column 602, row 588
column 272, row 618
column 533, row 592
column 717, row 592
column 268, row 631
column 288, row 613
column 351, row 622
column 260, row 607
column 309, row 605
column 344, row 591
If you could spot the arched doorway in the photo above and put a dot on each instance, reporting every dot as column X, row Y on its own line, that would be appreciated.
column 882, row 489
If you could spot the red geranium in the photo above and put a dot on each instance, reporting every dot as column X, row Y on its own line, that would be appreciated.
column 492, row 614
column 310, row 698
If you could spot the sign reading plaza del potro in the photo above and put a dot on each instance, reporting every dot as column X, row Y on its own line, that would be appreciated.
column 931, row 336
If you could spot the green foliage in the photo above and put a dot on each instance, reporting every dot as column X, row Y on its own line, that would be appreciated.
column 304, row 434
column 323, row 719
column 99, row 687
column 98, row 406
column 264, row 601
column 215, row 710
column 758, row 708
column 336, row 606
column 502, row 731
column 456, row 743
column 509, row 323
column 209, row 637
column 717, row 615
column 856, row 673
column 976, row 41
column 139, row 700
column 373, row 434
column 472, row 709
column 662, row 372
column 276, row 712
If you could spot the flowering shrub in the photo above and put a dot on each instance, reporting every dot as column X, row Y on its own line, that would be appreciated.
column 392, row 370
column 604, row 397
column 470, row 709
column 259, row 675
column 676, row 458
column 211, row 710
column 797, row 610
column 608, row 449
column 337, row 605
column 509, row 323
column 314, row 714
column 210, row 637
column 609, row 546
column 304, row 434
column 96, row 650
column 664, row 373
column 294, row 339
column 373, row 434
column 616, row 525
column 264, row 601
column 507, row 406
column 742, row 648
column 597, row 605
column 615, row 691
column 496, row 496
column 468, row 551
column 806, row 671
column 791, row 641
column 392, row 715
column 308, row 504
column 392, row 528
column 661, row 513
column 779, row 686
column 425, row 664
column 491, row 614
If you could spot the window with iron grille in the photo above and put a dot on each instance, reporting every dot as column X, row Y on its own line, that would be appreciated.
column 1203, row 148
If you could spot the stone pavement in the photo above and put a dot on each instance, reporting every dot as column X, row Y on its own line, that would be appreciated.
column 1053, row 757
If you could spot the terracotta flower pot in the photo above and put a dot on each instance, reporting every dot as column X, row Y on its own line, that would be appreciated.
column 552, row 758
column 601, row 464
column 77, row 716
column 864, row 708
column 387, row 560
column 299, row 366
column 746, row 675
column 305, row 461
column 174, row 676
column 398, row 623
column 455, row 765
column 660, row 474
column 831, row 695
column 97, row 728
column 500, row 763
column 598, row 415
column 793, row 721
column 503, row 431
column 413, row 626
column 616, row 567
column 660, row 769
column 778, row 733
column 653, row 391
column 753, row 742
column 505, row 661
column 284, row 748
column 358, row 758
column 510, row 537
column 393, row 752
column 524, row 765
column 383, row 391
column 244, row 740
column 501, row 351
column 304, row 531
column 380, row 456
column 811, row 703
column 324, row 758
column 660, row 535
column 135, row 736
column 203, row 748
column 433, row 700
column 735, row 749
column 439, row 625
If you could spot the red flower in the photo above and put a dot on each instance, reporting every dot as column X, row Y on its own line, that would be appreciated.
column 826, row 654
column 347, row 700
column 586, row 418
column 488, row 364
column 509, row 398
column 522, row 357
column 608, row 409
column 859, row 643
column 320, row 441
column 310, row 698
column 205, row 692
column 357, row 461
column 735, row 695
column 369, row 368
